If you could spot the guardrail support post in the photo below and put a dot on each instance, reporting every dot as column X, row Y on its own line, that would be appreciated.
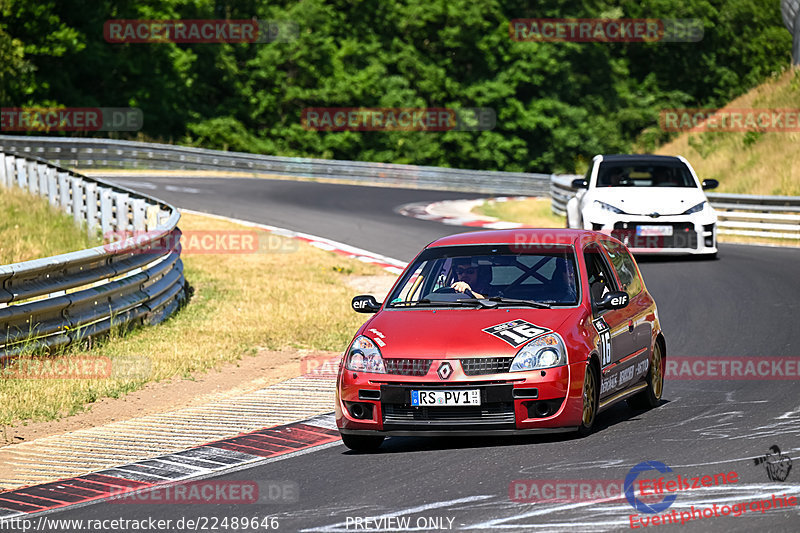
column 91, row 209
column 42, row 171
column 21, row 176
column 106, row 212
column 10, row 167
column 33, row 177
column 63, row 192
column 3, row 171
column 52, row 187
column 138, row 214
column 122, row 212
column 151, row 221
column 77, row 200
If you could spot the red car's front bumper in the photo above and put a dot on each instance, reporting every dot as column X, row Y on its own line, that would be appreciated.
column 519, row 402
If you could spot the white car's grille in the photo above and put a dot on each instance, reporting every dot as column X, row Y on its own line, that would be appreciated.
column 683, row 235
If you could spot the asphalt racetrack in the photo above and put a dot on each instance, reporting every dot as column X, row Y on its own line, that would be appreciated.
column 744, row 304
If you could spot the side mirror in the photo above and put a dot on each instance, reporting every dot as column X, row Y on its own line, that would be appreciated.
column 365, row 303
column 710, row 184
column 613, row 300
column 580, row 183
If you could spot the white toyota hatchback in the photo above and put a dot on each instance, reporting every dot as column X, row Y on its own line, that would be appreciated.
column 652, row 203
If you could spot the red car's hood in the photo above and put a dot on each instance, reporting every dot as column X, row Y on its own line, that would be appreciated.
column 454, row 333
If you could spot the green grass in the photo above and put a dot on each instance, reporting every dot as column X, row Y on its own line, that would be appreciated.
column 30, row 229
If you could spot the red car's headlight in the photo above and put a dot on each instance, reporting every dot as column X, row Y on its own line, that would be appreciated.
column 546, row 351
column 364, row 356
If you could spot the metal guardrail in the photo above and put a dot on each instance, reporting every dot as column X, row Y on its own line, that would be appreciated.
column 738, row 214
column 108, row 153
column 66, row 298
column 560, row 192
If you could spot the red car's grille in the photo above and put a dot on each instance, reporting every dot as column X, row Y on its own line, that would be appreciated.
column 500, row 413
column 495, row 412
column 407, row 367
column 486, row 365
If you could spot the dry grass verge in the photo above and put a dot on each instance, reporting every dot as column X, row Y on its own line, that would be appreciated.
column 533, row 212
column 242, row 304
column 749, row 162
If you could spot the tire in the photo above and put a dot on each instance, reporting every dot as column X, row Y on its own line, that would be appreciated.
column 360, row 443
column 590, row 401
column 651, row 396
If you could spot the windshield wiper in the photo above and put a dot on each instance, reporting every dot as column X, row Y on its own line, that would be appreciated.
column 485, row 303
column 530, row 303
column 426, row 302
column 495, row 301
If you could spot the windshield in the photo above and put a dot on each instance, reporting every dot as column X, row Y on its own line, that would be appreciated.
column 544, row 274
column 644, row 175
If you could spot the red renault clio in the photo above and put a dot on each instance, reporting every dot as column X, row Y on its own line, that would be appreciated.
column 502, row 332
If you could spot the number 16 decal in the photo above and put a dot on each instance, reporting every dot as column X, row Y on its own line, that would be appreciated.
column 604, row 344
column 516, row 332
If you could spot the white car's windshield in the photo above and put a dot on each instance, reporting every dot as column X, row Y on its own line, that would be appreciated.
column 538, row 274
column 644, row 175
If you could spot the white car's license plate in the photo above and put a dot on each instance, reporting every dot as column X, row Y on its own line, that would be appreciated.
column 650, row 231
column 445, row 397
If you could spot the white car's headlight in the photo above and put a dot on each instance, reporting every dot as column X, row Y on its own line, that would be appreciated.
column 364, row 356
column 699, row 207
column 608, row 207
column 546, row 351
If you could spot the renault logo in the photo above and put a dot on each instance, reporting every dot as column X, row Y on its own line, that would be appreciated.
column 445, row 370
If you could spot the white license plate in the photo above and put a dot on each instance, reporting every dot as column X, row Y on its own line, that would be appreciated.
column 650, row 231
column 443, row 398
